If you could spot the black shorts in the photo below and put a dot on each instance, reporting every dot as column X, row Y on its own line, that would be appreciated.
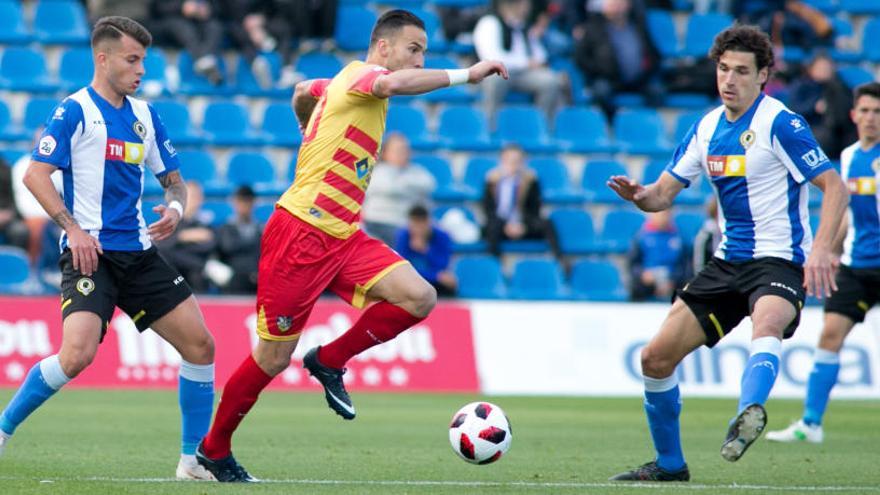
column 857, row 291
column 724, row 293
column 141, row 283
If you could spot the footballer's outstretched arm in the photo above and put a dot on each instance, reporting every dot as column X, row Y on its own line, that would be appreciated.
column 654, row 197
column 419, row 81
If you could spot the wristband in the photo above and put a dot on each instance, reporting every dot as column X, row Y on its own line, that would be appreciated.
column 175, row 205
column 458, row 76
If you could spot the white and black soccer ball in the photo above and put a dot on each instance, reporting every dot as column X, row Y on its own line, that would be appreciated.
column 480, row 433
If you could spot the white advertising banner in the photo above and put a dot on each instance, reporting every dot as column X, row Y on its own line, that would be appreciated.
column 594, row 349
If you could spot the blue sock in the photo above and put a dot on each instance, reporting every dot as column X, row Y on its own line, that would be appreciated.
column 196, row 396
column 663, row 406
column 826, row 365
column 760, row 371
column 42, row 381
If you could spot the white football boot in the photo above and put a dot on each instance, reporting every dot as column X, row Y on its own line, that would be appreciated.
column 798, row 432
column 189, row 469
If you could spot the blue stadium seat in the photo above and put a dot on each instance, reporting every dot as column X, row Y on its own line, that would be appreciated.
column 24, row 69
column 475, row 171
column 291, row 166
column 317, row 65
column 640, row 131
column 582, row 130
column 353, row 27
column 574, row 231
column 452, row 94
column 853, row 76
column 61, row 22
column 411, row 122
column 580, row 95
column 595, row 178
column 843, row 32
column 154, row 70
column 216, row 213
column 175, row 116
column 12, row 26
column 280, row 125
column 870, row 35
column 478, row 246
column 255, row 170
column 152, row 187
column 198, row 165
column 263, row 211
column 653, row 170
column 860, row 7
column 227, row 124
column 479, row 277
column 246, row 82
column 14, row 270
column 597, row 281
column 661, row 28
column 524, row 246
column 464, row 128
column 11, row 155
column 554, row 182
column 619, row 228
column 37, row 112
column 76, row 69
column 686, row 100
column 525, row 126
column 9, row 130
column 537, row 279
column 701, row 30
column 192, row 83
column 683, row 123
column 447, row 189
column 688, row 224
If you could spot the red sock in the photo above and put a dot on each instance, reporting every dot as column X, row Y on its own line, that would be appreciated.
column 380, row 323
column 239, row 395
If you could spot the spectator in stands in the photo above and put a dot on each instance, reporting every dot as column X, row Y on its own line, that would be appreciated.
column 190, row 246
column 12, row 230
column 238, row 244
column 505, row 35
column 823, row 99
column 708, row 237
column 194, row 26
column 258, row 29
column 395, row 187
column 512, row 202
column 616, row 54
column 657, row 259
column 429, row 249
column 789, row 22
column 459, row 21
column 313, row 22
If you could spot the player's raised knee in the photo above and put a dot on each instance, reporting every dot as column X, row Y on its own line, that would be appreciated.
column 655, row 364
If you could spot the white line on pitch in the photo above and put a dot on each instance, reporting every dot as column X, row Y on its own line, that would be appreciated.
column 489, row 484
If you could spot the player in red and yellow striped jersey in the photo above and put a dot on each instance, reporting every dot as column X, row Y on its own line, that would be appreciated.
column 312, row 241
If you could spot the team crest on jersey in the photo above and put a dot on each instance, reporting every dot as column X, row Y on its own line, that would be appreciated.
column 747, row 138
column 139, row 129
column 85, row 286
column 284, row 323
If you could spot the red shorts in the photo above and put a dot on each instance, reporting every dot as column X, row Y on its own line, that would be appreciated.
column 299, row 261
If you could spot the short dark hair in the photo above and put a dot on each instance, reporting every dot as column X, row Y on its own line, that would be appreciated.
column 245, row 192
column 418, row 212
column 871, row 89
column 392, row 21
column 115, row 26
column 744, row 38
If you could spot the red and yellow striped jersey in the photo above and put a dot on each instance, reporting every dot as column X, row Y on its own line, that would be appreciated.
column 338, row 151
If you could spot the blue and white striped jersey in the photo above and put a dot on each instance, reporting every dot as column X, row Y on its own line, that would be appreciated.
column 860, row 170
column 759, row 166
column 102, row 151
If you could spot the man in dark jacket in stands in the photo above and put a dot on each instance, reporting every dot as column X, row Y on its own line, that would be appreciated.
column 238, row 244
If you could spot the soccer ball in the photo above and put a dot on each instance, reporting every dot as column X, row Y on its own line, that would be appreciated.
column 480, row 433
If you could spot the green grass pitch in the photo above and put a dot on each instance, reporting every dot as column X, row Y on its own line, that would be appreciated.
column 90, row 442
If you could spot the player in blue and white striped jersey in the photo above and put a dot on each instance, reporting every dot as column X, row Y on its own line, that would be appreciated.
column 858, row 280
column 759, row 157
column 103, row 140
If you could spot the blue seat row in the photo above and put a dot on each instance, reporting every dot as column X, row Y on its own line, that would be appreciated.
column 54, row 22
column 481, row 277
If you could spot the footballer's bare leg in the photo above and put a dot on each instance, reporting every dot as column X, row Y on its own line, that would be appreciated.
column 82, row 332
